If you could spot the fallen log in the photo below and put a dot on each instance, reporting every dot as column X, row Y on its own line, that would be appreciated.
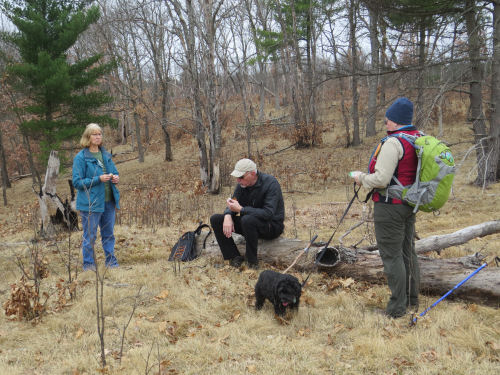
column 437, row 243
column 437, row 275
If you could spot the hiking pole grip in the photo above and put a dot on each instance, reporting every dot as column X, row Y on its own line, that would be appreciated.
column 414, row 321
column 306, row 249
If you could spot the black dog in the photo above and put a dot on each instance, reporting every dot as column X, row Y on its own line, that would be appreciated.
column 281, row 290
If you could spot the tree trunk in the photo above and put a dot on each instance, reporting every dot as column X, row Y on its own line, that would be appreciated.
column 4, row 194
column 3, row 165
column 310, row 98
column 34, row 171
column 476, row 114
column 188, row 31
column 493, row 167
column 343, row 108
column 166, row 135
column 383, row 63
column 262, row 92
column 354, row 78
column 48, row 194
column 297, row 81
column 276, row 85
column 140, row 147
column 373, row 80
column 420, row 105
column 212, row 102
column 437, row 275
column 123, row 129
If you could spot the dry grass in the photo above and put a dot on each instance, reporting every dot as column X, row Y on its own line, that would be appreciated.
column 202, row 321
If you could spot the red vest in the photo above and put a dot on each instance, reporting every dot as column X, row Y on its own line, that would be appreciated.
column 406, row 169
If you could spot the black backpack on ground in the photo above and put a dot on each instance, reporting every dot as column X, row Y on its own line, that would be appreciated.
column 185, row 248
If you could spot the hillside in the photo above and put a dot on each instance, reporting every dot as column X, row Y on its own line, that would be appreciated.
column 202, row 320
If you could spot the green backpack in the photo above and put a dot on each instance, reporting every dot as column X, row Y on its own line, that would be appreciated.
column 435, row 173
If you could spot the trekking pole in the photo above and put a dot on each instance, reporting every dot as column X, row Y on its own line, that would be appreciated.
column 305, row 251
column 323, row 251
column 414, row 320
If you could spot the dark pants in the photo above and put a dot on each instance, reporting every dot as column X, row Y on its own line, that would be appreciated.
column 251, row 228
column 395, row 230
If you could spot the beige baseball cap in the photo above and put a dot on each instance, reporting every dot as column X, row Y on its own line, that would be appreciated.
column 242, row 166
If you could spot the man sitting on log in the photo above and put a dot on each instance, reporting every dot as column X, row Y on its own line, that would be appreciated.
column 256, row 210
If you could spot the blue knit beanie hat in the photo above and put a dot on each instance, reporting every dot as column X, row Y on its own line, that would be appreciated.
column 401, row 111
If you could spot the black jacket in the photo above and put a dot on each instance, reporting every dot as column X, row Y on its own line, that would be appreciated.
column 263, row 200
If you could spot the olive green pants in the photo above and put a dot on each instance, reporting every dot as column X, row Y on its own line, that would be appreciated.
column 394, row 230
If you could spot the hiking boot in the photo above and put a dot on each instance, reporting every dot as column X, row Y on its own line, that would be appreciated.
column 383, row 312
column 236, row 261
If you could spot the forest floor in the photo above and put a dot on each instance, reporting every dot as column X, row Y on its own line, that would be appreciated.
column 202, row 319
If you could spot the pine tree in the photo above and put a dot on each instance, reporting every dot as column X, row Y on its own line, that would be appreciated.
column 62, row 94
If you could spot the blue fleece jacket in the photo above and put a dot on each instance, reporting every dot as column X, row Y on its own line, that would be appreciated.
column 90, row 190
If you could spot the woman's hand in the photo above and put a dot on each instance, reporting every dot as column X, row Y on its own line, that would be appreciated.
column 105, row 177
column 115, row 179
column 356, row 175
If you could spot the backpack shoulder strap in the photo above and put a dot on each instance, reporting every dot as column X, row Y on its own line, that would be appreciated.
column 407, row 137
column 200, row 227
column 197, row 232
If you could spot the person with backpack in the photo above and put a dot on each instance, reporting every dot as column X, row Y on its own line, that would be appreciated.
column 393, row 160
column 256, row 210
column 95, row 177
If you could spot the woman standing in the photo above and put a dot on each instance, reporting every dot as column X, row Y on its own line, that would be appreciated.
column 95, row 177
column 395, row 162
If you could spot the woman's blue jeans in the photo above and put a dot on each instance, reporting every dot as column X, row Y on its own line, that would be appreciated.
column 106, row 222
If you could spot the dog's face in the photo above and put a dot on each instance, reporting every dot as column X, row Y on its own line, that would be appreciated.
column 288, row 291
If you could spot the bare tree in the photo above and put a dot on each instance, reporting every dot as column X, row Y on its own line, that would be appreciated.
column 3, row 167
column 493, row 167
column 476, row 113
column 258, row 15
column 184, row 23
column 118, row 32
column 240, row 78
column 353, row 45
column 374, row 72
column 340, row 71
column 196, row 24
column 210, row 10
column 159, row 41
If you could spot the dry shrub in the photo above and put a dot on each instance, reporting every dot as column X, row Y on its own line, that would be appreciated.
column 24, row 302
column 146, row 206
column 64, row 290
column 28, row 213
column 454, row 109
column 199, row 189
column 307, row 135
